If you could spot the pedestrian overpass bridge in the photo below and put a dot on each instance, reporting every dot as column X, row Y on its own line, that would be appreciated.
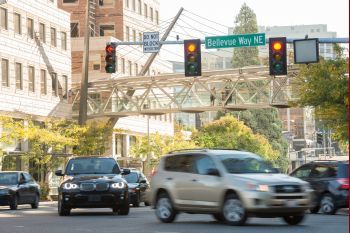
column 233, row 90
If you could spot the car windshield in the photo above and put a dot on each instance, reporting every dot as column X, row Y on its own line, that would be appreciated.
column 92, row 166
column 132, row 177
column 245, row 163
column 9, row 178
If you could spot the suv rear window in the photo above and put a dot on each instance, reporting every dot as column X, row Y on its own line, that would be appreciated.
column 343, row 171
column 179, row 163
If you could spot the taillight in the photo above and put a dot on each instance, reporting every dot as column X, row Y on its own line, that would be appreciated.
column 344, row 183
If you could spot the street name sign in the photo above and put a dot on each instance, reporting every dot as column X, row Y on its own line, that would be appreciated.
column 230, row 41
column 151, row 42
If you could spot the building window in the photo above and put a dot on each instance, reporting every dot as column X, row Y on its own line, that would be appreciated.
column 30, row 27
column 43, row 86
column 19, row 80
column 127, row 3
column 74, row 30
column 31, row 79
column 134, row 5
column 145, row 10
column 53, row 37
column 134, row 35
column 70, row 1
column 123, row 65
column 64, row 40
column 107, row 30
column 106, row 2
column 96, row 67
column 17, row 23
column 157, row 17
column 54, row 84
column 3, row 18
column 140, row 7
column 151, row 13
column 5, row 72
column 127, row 33
column 42, row 32
column 130, row 68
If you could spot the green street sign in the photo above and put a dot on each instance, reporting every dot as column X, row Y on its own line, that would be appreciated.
column 244, row 40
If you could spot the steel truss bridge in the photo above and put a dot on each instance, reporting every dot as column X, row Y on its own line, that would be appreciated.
column 236, row 89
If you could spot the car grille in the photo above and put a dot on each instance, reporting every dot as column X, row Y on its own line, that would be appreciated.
column 87, row 187
column 101, row 187
column 287, row 189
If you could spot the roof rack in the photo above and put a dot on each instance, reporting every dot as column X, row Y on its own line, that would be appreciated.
column 203, row 149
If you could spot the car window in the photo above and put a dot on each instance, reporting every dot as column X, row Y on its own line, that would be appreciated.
column 323, row 172
column 203, row 164
column 9, row 178
column 92, row 166
column 28, row 177
column 132, row 177
column 302, row 172
column 179, row 163
column 22, row 179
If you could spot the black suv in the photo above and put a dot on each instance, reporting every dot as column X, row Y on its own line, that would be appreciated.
column 93, row 182
column 138, row 187
column 330, row 180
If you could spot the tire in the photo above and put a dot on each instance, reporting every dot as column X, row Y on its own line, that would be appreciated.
column 147, row 203
column 124, row 208
column 294, row 219
column 136, row 203
column 35, row 204
column 14, row 203
column 314, row 210
column 233, row 211
column 165, row 211
column 63, row 210
column 218, row 217
column 327, row 204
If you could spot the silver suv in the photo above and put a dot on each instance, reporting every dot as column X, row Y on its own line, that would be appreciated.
column 229, row 184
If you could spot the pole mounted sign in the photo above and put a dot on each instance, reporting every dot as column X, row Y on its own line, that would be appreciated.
column 150, row 42
column 230, row 41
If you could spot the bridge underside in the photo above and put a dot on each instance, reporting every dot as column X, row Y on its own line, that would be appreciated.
column 236, row 89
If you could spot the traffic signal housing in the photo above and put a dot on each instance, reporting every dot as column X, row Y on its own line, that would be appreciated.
column 110, row 58
column 278, row 56
column 192, row 55
column 319, row 138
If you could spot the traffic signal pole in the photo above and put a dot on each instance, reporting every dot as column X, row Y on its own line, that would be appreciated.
column 85, row 75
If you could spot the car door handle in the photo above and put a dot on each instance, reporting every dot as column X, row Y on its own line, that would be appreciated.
column 169, row 178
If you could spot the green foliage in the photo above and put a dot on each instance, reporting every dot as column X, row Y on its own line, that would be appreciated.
column 228, row 132
column 44, row 191
column 245, row 23
column 324, row 85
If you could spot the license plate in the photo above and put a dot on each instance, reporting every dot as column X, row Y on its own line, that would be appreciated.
column 291, row 203
column 94, row 198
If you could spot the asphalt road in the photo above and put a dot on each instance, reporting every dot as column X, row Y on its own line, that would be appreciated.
column 142, row 220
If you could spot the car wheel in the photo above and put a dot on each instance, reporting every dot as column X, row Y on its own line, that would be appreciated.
column 136, row 203
column 62, row 209
column 146, row 203
column 218, row 217
column 294, row 219
column 233, row 211
column 124, row 208
column 14, row 202
column 35, row 204
column 164, row 208
column 327, row 204
column 314, row 210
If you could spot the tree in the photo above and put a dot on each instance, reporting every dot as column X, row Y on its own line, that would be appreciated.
column 228, row 132
column 324, row 85
column 245, row 23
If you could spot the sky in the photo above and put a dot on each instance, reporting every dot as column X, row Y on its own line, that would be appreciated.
column 269, row 13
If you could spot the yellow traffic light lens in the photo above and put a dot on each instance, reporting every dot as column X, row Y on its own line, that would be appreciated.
column 191, row 48
column 277, row 46
column 277, row 57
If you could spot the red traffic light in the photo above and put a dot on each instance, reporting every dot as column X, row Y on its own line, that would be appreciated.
column 110, row 49
column 277, row 45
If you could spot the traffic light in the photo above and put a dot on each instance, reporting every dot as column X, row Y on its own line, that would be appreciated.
column 110, row 58
column 193, row 63
column 319, row 138
column 278, row 56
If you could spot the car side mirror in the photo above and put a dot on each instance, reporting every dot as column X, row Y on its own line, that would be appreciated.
column 21, row 182
column 213, row 172
column 126, row 171
column 143, row 182
column 59, row 173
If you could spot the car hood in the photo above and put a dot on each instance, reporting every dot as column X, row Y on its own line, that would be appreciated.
column 96, row 178
column 270, row 178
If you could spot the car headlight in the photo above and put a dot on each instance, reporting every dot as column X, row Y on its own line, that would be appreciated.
column 118, row 185
column 70, row 186
column 258, row 187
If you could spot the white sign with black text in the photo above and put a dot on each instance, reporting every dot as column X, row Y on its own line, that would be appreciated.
column 151, row 42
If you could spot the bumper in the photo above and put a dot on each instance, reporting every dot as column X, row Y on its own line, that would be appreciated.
column 94, row 199
column 276, row 204
column 5, row 199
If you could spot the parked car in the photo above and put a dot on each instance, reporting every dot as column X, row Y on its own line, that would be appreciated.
column 231, row 185
column 93, row 182
column 330, row 180
column 17, row 188
column 138, row 187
